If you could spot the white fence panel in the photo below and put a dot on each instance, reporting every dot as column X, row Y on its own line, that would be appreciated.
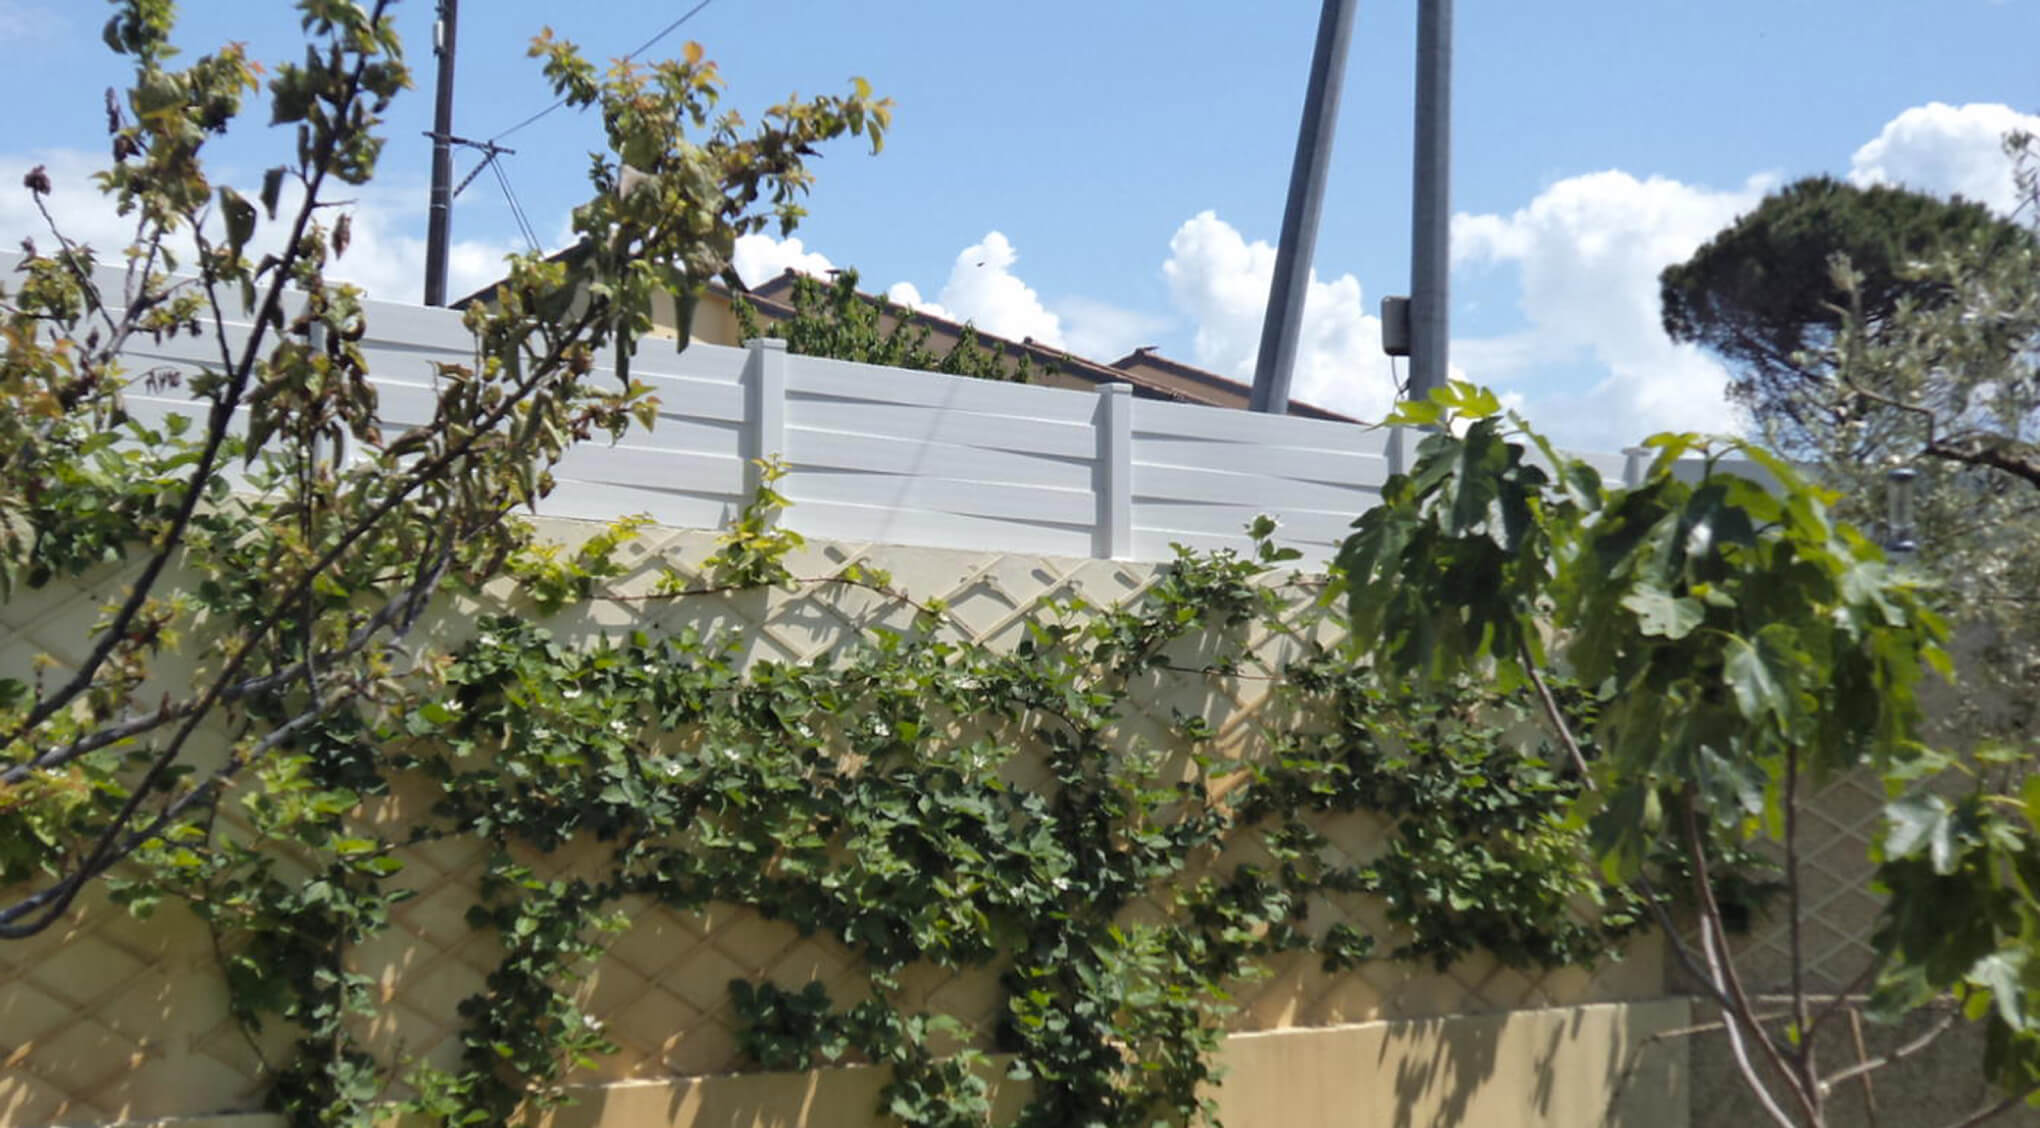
column 1201, row 475
column 977, row 463
column 880, row 454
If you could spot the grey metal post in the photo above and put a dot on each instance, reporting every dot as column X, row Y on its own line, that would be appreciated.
column 1283, row 323
column 1431, row 206
column 438, row 230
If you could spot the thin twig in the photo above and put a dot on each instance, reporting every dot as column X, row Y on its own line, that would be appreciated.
column 1863, row 1055
column 1552, row 714
column 1850, row 993
column 1714, row 942
column 1680, row 951
column 1932, row 1034
column 1998, row 1109
column 1803, row 1053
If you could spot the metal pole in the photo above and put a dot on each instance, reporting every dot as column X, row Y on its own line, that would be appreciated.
column 1431, row 209
column 1283, row 323
column 440, row 221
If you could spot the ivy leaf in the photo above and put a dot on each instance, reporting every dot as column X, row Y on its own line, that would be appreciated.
column 1658, row 613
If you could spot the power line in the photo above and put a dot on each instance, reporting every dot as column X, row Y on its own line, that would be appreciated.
column 669, row 29
column 642, row 48
column 516, row 209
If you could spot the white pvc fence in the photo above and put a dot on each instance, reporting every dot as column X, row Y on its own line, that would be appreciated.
column 887, row 455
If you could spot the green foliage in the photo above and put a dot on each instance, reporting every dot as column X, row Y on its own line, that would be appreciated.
column 1762, row 293
column 306, row 570
column 553, row 579
column 1739, row 647
column 832, row 319
column 752, row 551
column 864, row 796
column 1877, row 328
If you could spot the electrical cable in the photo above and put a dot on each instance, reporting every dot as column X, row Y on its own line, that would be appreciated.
column 642, row 48
column 516, row 209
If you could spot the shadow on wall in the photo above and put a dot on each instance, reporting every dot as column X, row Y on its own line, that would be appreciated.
column 1571, row 1067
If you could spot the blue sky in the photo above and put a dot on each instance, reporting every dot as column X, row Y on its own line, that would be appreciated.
column 1118, row 167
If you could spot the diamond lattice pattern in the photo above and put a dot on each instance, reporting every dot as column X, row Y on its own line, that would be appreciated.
column 107, row 1018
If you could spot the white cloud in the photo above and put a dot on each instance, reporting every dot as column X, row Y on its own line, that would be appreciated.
column 384, row 257
column 904, row 294
column 1220, row 282
column 983, row 290
column 1947, row 150
column 1587, row 251
column 1103, row 332
column 761, row 258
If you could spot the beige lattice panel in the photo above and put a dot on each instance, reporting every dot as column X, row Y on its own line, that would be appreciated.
column 112, row 1019
column 1839, row 913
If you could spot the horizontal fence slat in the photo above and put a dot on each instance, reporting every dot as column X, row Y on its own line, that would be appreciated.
column 597, row 501
column 1185, row 484
column 1292, row 526
column 701, row 399
column 656, row 360
column 597, row 461
column 1157, row 545
column 838, row 450
column 697, row 436
column 973, row 499
column 936, row 530
column 1162, row 419
column 922, row 424
column 1334, row 466
column 816, row 376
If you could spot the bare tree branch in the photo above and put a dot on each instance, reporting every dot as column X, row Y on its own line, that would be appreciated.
column 1903, row 1052
column 1744, row 1022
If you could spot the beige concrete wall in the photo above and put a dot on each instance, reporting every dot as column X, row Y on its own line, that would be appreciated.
column 1567, row 1067
column 109, row 1019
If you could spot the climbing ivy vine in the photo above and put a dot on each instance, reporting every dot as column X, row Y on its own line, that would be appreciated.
column 867, row 796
